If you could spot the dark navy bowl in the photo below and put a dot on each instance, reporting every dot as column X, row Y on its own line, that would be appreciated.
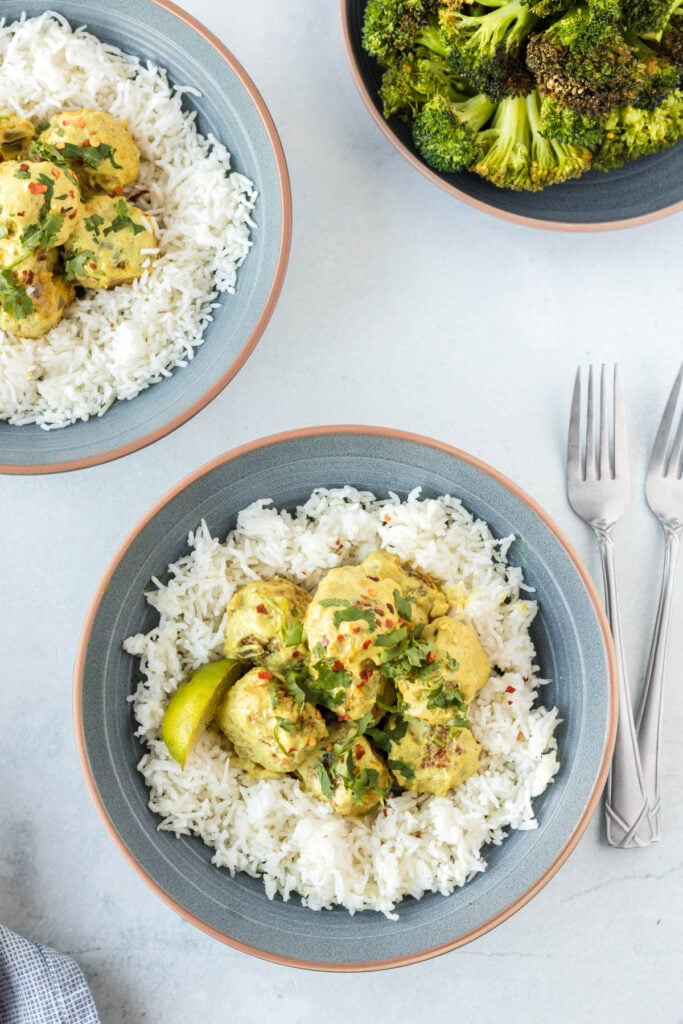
column 574, row 650
column 642, row 191
column 231, row 109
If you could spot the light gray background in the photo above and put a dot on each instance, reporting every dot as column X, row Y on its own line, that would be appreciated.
column 402, row 307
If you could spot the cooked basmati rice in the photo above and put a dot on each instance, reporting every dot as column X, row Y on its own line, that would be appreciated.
column 113, row 344
column 271, row 827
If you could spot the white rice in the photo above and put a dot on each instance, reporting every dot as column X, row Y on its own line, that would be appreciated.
column 271, row 828
column 113, row 344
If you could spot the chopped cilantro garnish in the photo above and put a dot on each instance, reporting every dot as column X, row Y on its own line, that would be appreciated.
column 403, row 606
column 402, row 767
column 326, row 787
column 441, row 698
column 367, row 778
column 74, row 266
column 287, row 725
column 93, row 223
column 294, row 634
column 15, row 300
column 452, row 663
column 123, row 220
column 348, row 612
column 273, row 694
column 393, row 638
column 44, row 234
column 385, row 738
column 19, row 173
column 84, row 156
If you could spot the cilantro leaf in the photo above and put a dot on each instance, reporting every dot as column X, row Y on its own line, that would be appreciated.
column 69, row 152
column 74, row 266
column 403, row 606
column 326, row 787
column 287, row 725
column 402, row 767
column 294, row 635
column 445, row 698
column 44, row 234
column 15, row 300
column 93, row 223
column 385, row 738
column 123, row 220
column 393, row 638
column 355, row 614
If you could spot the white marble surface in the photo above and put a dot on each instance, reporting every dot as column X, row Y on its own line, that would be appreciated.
column 401, row 307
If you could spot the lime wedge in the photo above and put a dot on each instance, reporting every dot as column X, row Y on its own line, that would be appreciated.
column 194, row 704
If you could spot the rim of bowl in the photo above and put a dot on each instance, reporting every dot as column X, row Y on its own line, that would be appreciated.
column 578, row 829
column 273, row 295
column 453, row 190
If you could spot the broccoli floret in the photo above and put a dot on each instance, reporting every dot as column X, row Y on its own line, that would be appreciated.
column 646, row 16
column 488, row 47
column 567, row 125
column 671, row 41
column 389, row 26
column 655, row 76
column 413, row 79
column 445, row 131
column 584, row 62
column 517, row 156
column 632, row 132
column 548, row 8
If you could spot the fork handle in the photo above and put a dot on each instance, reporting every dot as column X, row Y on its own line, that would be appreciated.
column 649, row 721
column 626, row 822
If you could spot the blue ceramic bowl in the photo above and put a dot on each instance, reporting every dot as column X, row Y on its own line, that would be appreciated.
column 232, row 110
column 574, row 650
column 635, row 194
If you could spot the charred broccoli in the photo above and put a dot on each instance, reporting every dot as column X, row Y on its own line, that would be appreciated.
column 632, row 132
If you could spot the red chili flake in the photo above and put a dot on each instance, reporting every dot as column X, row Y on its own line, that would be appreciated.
column 391, row 608
column 366, row 644
column 375, row 579
column 520, row 735
column 387, row 518
column 55, row 173
column 364, row 674
column 510, row 689
column 378, row 623
column 23, row 167
column 458, row 750
column 73, row 215
column 389, row 623
column 112, row 324
column 65, row 123
column 72, row 194
column 118, row 191
column 261, row 609
column 265, row 674
column 85, row 143
column 36, row 188
column 431, row 657
column 337, row 666
column 378, row 611
column 93, row 266
column 384, row 811
column 355, row 629
column 21, row 213
column 510, row 702
column 340, row 638
column 358, row 750
column 342, row 718
column 325, row 642
column 525, row 678
column 29, row 277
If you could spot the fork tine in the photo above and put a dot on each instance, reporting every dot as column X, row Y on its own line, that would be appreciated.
column 658, row 458
column 620, row 446
column 574, row 470
column 604, row 461
column 590, row 430
column 676, row 458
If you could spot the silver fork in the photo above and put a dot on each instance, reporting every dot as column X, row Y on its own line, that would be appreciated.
column 664, row 491
column 598, row 486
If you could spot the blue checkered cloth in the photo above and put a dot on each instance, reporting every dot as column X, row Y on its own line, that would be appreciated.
column 40, row 986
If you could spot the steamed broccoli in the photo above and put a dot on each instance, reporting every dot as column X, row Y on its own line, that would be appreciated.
column 389, row 26
column 631, row 132
column 415, row 78
column 515, row 153
column 567, row 125
column 445, row 131
column 646, row 16
column 487, row 48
